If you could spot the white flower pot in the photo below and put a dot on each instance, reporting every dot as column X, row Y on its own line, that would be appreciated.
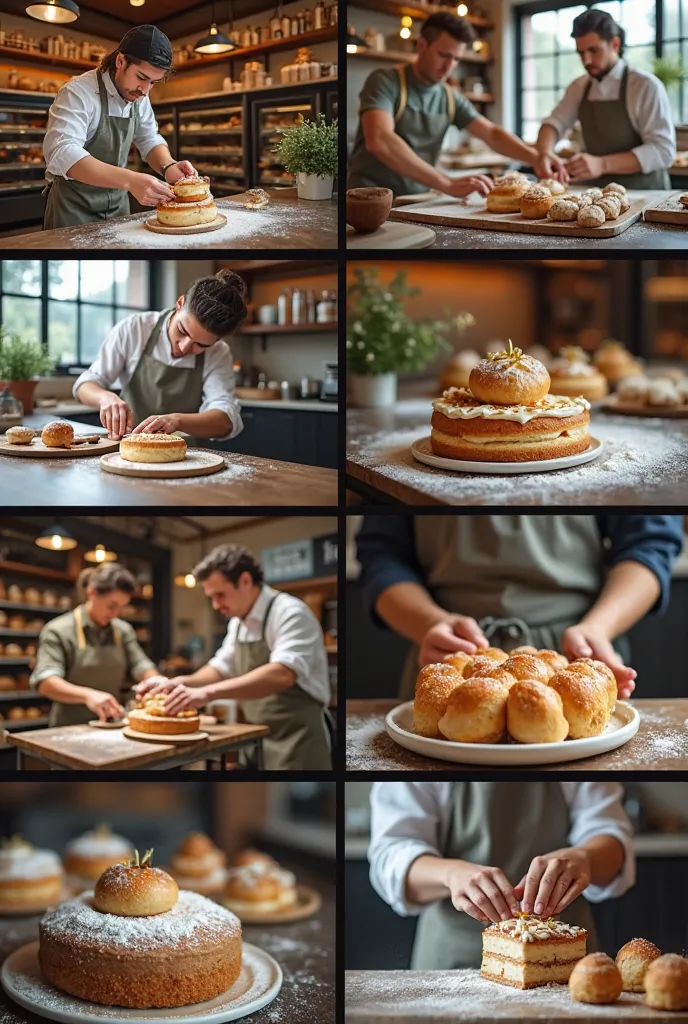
column 310, row 186
column 373, row 392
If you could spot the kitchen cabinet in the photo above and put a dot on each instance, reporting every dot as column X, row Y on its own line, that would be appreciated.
column 309, row 438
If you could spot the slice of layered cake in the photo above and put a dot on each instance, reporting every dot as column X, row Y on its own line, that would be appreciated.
column 527, row 951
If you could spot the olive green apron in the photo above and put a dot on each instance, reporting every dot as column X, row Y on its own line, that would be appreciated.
column 526, row 579
column 494, row 824
column 74, row 202
column 423, row 132
column 297, row 738
column 156, row 389
column 607, row 128
column 101, row 667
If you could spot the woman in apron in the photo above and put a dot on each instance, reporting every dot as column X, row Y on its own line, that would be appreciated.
column 88, row 659
column 494, row 831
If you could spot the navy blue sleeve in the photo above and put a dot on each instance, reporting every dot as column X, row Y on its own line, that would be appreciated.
column 654, row 541
column 387, row 553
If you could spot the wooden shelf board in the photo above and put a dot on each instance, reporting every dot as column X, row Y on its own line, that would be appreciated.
column 35, row 570
column 6, row 695
column 20, row 606
column 38, row 57
column 323, row 35
column 317, row 583
column 396, row 7
column 288, row 328
column 401, row 56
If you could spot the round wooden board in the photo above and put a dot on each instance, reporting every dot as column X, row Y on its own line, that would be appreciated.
column 308, row 903
column 195, row 464
column 97, row 724
column 612, row 404
column 189, row 737
column 37, row 450
column 392, row 235
column 192, row 229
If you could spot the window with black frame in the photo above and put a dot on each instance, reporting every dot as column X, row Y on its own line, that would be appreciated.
column 548, row 61
column 69, row 306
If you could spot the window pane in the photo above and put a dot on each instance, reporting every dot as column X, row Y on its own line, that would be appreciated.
column 539, row 71
column 22, row 276
column 97, row 278
column 22, row 317
column 612, row 7
column 567, row 16
column 671, row 19
column 62, row 331
column 638, row 21
column 641, row 57
column 569, row 67
column 540, row 34
column 131, row 283
column 530, row 130
column 96, row 322
column 63, row 279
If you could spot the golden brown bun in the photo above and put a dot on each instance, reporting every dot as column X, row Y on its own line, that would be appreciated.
column 476, row 712
column 537, row 447
column 523, row 650
column 491, row 671
column 563, row 209
column 509, row 379
column 494, row 654
column 505, row 197
column 252, row 856
column 604, row 673
column 152, row 448
column 591, row 386
column 535, row 202
column 610, row 206
column 591, row 216
column 7, row 684
column 135, row 891
column 191, row 189
column 633, row 960
column 459, row 661
column 557, row 662
column 163, row 725
column 430, row 703
column 666, row 983
column 534, row 713
column 614, row 187
column 57, row 434
column 595, row 979
column 482, row 661
column 197, row 844
column 19, row 435
column 437, row 672
column 528, row 666
column 585, row 703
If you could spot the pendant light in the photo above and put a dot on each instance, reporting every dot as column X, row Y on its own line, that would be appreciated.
column 54, row 11
column 55, row 538
column 185, row 579
column 100, row 554
column 137, row 3
column 215, row 41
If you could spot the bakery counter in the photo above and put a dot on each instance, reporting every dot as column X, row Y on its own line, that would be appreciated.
column 661, row 744
column 463, row 997
column 245, row 480
column 644, row 462
column 287, row 223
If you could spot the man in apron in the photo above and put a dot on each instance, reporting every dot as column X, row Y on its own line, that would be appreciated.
column 625, row 115
column 465, row 854
column 175, row 371
column 92, row 124
column 574, row 583
column 88, row 659
column 405, row 113
column 272, row 661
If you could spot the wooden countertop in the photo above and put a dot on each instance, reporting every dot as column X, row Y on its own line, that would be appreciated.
column 246, row 480
column 661, row 744
column 295, row 224
column 637, row 467
column 463, row 997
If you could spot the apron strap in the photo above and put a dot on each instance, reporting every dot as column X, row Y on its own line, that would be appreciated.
column 80, row 635
column 155, row 333
column 267, row 614
column 586, row 91
column 513, row 627
column 451, row 102
column 403, row 93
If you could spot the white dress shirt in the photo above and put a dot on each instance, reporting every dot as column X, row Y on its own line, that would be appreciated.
column 648, row 108
column 74, row 117
column 119, row 355
column 410, row 819
column 294, row 636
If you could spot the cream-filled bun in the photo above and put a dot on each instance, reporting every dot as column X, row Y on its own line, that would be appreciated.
column 505, row 197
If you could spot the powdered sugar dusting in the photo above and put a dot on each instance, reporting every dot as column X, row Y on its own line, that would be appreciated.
column 99, row 844
column 26, row 862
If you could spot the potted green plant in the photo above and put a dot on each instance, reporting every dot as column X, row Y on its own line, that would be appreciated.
column 383, row 340
column 309, row 150
column 21, row 363
column 669, row 70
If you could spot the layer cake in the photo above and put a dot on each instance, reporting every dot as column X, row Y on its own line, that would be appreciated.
column 528, row 951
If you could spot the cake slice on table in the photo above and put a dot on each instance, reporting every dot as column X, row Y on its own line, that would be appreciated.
column 528, row 951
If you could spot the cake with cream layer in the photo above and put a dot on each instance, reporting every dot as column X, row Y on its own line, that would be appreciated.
column 528, row 951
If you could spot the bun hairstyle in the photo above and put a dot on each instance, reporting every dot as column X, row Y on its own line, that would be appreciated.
column 218, row 302
column 104, row 579
column 602, row 24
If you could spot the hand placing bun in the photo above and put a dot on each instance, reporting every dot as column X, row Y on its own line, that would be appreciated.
column 509, row 378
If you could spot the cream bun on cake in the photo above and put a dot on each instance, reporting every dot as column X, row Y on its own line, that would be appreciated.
column 193, row 188
column 259, row 888
column 572, row 374
column 199, row 865
column 152, row 448
column 29, row 877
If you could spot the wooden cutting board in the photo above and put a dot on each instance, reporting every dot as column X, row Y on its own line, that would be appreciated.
column 457, row 214
column 195, row 464
column 153, row 224
column 613, row 404
column 392, row 236
column 668, row 211
column 37, row 450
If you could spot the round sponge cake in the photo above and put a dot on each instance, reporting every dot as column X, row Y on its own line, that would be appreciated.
column 152, row 448
column 191, row 189
column 187, row 214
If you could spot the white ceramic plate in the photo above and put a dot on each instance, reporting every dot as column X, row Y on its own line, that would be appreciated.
column 422, row 452
column 620, row 729
column 257, row 985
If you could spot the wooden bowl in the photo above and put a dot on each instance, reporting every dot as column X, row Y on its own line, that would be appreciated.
column 368, row 208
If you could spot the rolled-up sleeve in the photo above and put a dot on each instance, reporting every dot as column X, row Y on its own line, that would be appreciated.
column 51, row 658
column 654, row 541
column 387, row 554
column 654, row 123
column 596, row 809
column 219, row 388
column 67, row 133
column 147, row 136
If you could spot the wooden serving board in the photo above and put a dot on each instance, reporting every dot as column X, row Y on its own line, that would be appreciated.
column 148, row 737
column 195, row 464
column 667, row 211
column 153, row 224
column 37, row 450
column 455, row 213
column 392, row 236
column 612, row 404
column 308, row 902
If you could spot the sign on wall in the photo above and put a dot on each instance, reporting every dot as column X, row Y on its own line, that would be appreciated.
column 300, row 560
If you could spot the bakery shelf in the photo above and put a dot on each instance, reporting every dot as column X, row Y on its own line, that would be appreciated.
column 310, row 584
column 398, row 56
column 21, row 167
column 208, row 152
column 7, row 695
column 15, row 661
column 36, row 570
column 25, row 723
column 207, row 169
column 322, row 35
column 27, row 634
column 308, row 328
column 19, row 130
column 396, row 7
column 211, row 131
column 38, row 57
column 42, row 609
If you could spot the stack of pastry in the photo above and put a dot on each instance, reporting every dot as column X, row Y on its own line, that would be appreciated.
column 507, row 415
column 29, row 878
column 256, row 884
column 528, row 951
column 87, row 856
column 615, row 361
column 572, row 374
column 152, row 448
column 149, row 716
column 653, row 392
column 592, row 207
column 199, row 865
column 193, row 203
column 528, row 695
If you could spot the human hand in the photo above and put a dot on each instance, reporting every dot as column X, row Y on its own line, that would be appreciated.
column 548, row 165
column 151, row 683
column 104, row 705
column 150, row 191
column 181, row 169
column 182, row 697
column 158, row 424
column 116, row 416
column 553, row 881
column 586, row 640
column 483, row 893
column 467, row 184
column 585, row 167
column 457, row 633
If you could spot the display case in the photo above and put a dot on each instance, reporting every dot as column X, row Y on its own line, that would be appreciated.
column 212, row 137
column 665, row 310
column 23, row 121
column 280, row 108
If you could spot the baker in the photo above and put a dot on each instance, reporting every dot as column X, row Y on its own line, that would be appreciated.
column 464, row 854
column 405, row 112
column 574, row 584
column 174, row 368
column 88, row 659
column 272, row 661
column 92, row 124
column 625, row 116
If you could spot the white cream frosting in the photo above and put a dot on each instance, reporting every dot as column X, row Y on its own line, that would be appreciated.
column 529, row 928
column 460, row 404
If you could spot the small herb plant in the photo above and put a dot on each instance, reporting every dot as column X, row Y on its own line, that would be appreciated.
column 669, row 70
column 310, row 147
column 22, row 360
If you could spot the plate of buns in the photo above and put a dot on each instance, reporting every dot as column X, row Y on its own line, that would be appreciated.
column 526, row 707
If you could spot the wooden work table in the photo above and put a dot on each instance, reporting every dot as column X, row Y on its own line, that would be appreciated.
column 661, row 744
column 289, row 223
column 463, row 997
column 245, row 480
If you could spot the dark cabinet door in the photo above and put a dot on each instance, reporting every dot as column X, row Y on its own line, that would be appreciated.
column 309, row 438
